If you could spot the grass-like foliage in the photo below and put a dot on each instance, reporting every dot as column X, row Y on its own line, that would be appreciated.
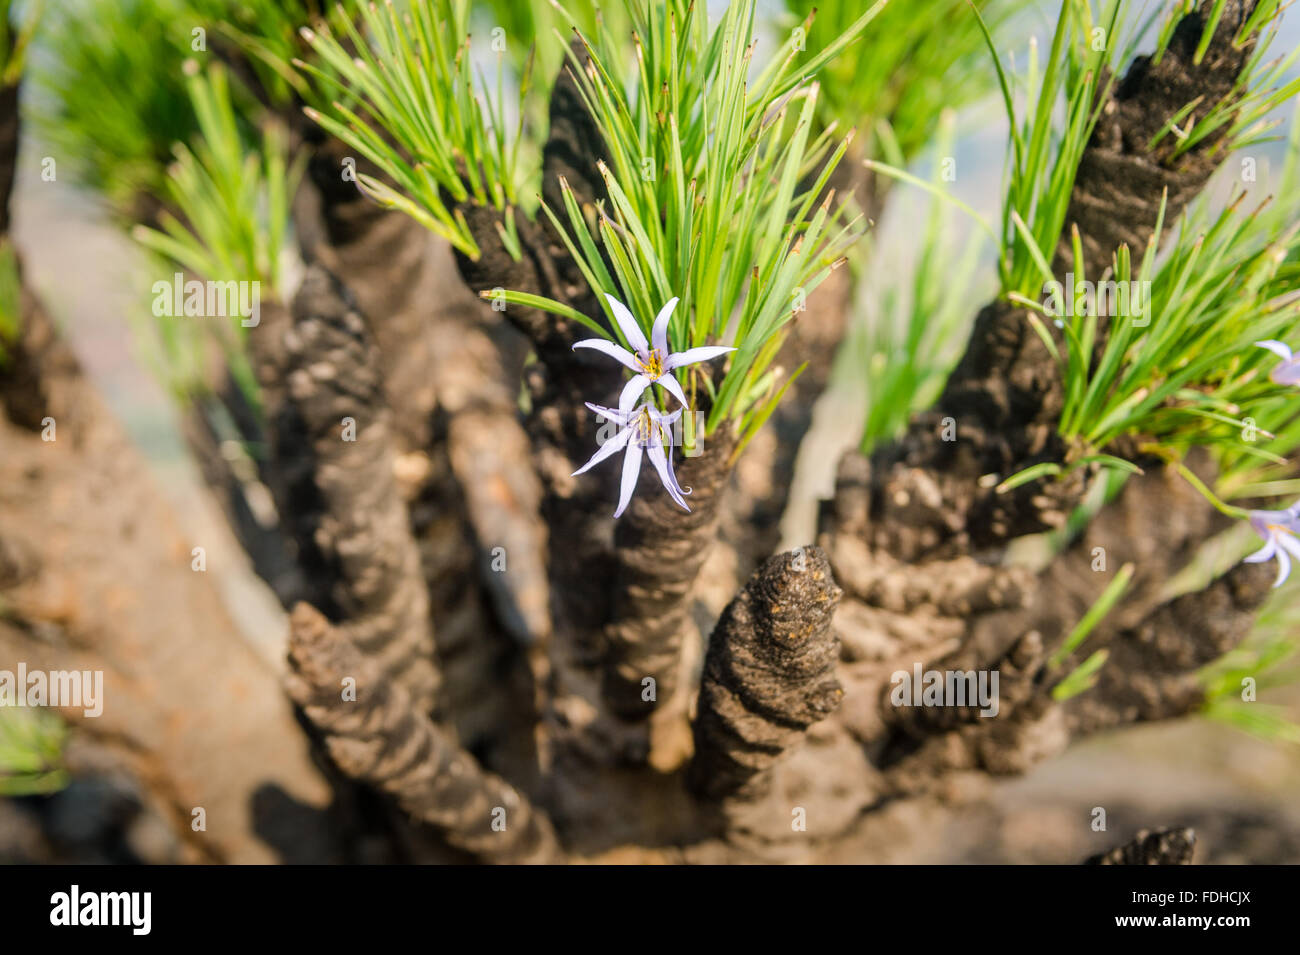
column 1180, row 365
column 113, row 101
column 1194, row 374
column 403, row 92
column 1063, row 99
column 266, row 31
column 717, row 183
column 235, row 202
column 233, row 218
column 1162, row 347
column 916, row 60
column 717, row 190
column 916, row 325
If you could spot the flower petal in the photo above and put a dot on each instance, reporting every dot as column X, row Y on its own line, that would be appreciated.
column 1264, row 553
column 610, row 447
column 609, row 414
column 626, row 321
column 673, row 474
column 659, row 334
column 1290, row 544
column 673, row 387
column 1277, row 348
column 631, row 392
column 1287, row 373
column 692, row 355
column 660, row 460
column 631, row 471
column 617, row 352
column 662, row 418
column 1283, row 568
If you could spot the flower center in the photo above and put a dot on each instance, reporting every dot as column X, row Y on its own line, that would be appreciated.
column 644, row 427
column 653, row 364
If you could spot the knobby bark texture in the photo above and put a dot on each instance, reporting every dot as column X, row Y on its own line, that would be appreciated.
column 105, row 583
column 918, row 535
column 768, row 676
column 1121, row 180
column 459, row 447
column 1159, row 847
column 328, row 425
column 383, row 738
column 658, row 553
column 97, row 576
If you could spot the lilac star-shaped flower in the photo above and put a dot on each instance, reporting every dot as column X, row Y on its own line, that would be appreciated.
column 645, row 428
column 653, row 366
column 1279, row 530
column 1288, row 372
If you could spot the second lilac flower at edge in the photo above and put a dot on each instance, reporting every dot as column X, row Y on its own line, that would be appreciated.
column 648, row 428
column 1279, row 529
column 1288, row 372
column 653, row 366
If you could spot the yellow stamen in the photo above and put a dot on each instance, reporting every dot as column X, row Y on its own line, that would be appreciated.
column 653, row 366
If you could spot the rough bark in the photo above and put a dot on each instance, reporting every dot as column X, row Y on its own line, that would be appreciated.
column 1158, row 847
column 447, row 378
column 966, row 616
column 769, row 674
column 385, row 739
column 658, row 552
column 1118, row 188
column 258, row 532
column 329, row 435
column 916, row 533
column 106, row 584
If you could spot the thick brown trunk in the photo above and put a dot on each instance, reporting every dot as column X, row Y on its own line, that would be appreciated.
column 188, row 706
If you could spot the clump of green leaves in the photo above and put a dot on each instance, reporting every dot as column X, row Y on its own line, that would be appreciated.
column 717, row 190
column 266, row 32
column 1046, row 145
column 235, row 202
column 232, row 222
column 404, row 94
column 916, row 60
column 113, row 98
column 1180, row 365
column 1183, row 368
column 1177, row 365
